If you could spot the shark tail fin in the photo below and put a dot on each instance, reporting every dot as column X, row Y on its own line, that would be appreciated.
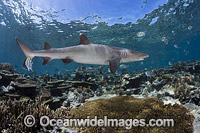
column 26, row 50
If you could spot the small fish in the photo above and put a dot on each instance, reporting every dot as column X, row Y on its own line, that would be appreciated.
column 67, row 70
column 140, row 34
column 189, row 27
column 185, row 51
column 171, row 63
column 120, row 18
column 15, row 66
column 123, row 42
column 28, row 64
column 145, row 1
column 188, row 42
column 176, row 46
column 193, row 67
column 56, row 69
column 164, row 39
column 82, row 80
column 98, row 90
column 186, row 68
column 99, row 69
column 123, row 66
column 149, row 74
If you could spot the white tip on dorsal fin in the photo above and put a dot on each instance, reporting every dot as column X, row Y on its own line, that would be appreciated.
column 47, row 46
column 84, row 40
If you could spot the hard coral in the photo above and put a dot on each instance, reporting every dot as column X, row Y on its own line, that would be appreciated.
column 12, row 114
column 182, row 91
column 7, row 66
column 127, row 107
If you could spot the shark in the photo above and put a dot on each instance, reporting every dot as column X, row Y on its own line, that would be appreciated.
column 84, row 52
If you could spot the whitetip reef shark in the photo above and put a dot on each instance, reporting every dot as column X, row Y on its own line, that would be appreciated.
column 85, row 53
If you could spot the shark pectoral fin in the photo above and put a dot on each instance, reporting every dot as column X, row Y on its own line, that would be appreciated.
column 114, row 63
column 46, row 46
column 84, row 40
column 67, row 60
column 46, row 60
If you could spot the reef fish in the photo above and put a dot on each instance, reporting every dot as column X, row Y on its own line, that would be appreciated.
column 85, row 53
column 28, row 64
column 140, row 34
column 149, row 74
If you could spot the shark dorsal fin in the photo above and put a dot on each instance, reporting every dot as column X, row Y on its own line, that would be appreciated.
column 47, row 46
column 84, row 40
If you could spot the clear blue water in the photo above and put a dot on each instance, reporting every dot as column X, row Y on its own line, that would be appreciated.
column 177, row 21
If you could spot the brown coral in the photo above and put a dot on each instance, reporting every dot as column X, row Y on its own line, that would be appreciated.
column 131, row 108
column 182, row 90
column 12, row 114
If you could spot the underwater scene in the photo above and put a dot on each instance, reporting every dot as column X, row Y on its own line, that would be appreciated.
column 89, row 66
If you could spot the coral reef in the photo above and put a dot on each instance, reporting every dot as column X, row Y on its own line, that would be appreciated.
column 127, row 107
column 13, row 112
column 7, row 67
column 178, row 83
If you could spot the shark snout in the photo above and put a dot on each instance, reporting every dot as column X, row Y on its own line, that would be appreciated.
column 145, row 55
column 138, row 55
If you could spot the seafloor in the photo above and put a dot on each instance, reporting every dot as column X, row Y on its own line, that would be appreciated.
column 171, row 92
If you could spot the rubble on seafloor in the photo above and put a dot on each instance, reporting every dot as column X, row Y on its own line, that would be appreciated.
column 176, row 84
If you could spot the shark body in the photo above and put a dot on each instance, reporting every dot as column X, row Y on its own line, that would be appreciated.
column 85, row 53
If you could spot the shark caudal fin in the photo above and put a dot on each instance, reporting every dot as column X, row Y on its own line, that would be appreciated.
column 28, row 53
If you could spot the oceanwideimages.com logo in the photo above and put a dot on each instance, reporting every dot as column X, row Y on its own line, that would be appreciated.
column 45, row 121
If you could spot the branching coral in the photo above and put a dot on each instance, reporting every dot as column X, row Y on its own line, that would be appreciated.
column 12, row 114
